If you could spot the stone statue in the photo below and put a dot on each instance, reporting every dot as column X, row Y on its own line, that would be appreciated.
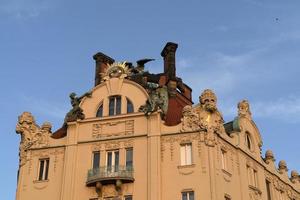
column 209, row 116
column 244, row 109
column 158, row 99
column 76, row 112
column 190, row 119
column 31, row 134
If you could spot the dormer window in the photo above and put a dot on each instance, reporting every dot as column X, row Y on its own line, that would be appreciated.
column 114, row 105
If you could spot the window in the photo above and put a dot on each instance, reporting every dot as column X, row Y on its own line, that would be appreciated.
column 268, row 185
column 114, row 105
column 224, row 159
column 128, row 197
column 100, row 111
column 187, row 195
column 255, row 178
column 43, row 169
column 186, row 154
column 96, row 159
column 252, row 177
column 248, row 141
column 129, row 106
column 112, row 161
column 129, row 159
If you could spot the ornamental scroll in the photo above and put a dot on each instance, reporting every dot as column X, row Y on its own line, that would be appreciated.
column 31, row 135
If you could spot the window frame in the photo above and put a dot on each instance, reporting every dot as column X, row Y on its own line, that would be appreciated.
column 186, row 155
column 43, row 169
column 188, row 195
column 116, row 102
column 113, row 167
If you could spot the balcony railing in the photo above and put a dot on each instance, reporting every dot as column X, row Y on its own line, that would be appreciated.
column 106, row 175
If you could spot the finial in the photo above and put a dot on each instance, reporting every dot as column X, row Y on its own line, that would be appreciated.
column 295, row 178
column 244, row 109
column 269, row 156
column 282, row 167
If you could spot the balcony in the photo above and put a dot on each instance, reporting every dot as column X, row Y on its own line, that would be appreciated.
column 109, row 175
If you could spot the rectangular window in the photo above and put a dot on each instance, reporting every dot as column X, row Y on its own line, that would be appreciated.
column 43, row 169
column 129, row 159
column 268, row 185
column 186, row 154
column 128, row 197
column 112, row 161
column 187, row 195
column 96, row 159
column 224, row 159
column 255, row 178
column 114, row 105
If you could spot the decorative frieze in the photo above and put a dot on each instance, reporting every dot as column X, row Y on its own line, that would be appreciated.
column 113, row 129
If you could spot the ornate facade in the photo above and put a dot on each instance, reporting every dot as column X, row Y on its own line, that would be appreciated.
column 137, row 135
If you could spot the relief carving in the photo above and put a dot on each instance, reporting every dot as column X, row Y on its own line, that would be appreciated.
column 204, row 117
column 113, row 129
column 31, row 135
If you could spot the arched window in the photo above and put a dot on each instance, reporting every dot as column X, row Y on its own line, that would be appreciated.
column 129, row 106
column 248, row 141
column 100, row 111
column 114, row 105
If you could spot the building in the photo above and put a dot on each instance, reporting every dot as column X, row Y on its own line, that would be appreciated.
column 136, row 135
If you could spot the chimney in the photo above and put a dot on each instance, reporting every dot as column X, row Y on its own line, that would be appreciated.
column 101, row 65
column 168, row 53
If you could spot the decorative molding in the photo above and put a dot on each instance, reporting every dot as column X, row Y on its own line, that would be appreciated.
column 32, row 136
column 113, row 129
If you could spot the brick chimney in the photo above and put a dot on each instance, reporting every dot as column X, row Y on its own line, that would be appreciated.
column 168, row 53
column 101, row 65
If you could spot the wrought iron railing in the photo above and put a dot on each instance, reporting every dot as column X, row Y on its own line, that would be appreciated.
column 113, row 172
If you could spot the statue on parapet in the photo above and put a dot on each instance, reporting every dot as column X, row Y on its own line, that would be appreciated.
column 76, row 112
column 244, row 109
column 209, row 115
column 158, row 100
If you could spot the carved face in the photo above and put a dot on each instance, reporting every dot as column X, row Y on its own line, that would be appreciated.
column 243, row 107
column 208, row 100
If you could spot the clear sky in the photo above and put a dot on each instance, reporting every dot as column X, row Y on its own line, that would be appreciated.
column 242, row 49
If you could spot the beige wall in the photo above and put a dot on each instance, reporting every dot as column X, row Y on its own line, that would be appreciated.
column 158, row 174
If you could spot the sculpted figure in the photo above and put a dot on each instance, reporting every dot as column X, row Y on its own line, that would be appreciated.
column 158, row 99
column 190, row 119
column 76, row 112
column 244, row 109
column 210, row 118
column 31, row 134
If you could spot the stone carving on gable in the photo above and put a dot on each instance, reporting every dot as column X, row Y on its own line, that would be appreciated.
column 190, row 119
column 204, row 116
column 31, row 135
column 244, row 109
column 76, row 112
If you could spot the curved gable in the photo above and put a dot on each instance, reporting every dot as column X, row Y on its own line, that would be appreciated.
column 124, row 88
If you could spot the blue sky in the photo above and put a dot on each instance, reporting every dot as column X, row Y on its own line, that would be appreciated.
column 242, row 49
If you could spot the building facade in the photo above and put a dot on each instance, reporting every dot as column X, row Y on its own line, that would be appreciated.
column 137, row 135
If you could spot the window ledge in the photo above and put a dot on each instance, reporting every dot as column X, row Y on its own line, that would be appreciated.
column 226, row 172
column 256, row 189
column 186, row 166
column 41, row 181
